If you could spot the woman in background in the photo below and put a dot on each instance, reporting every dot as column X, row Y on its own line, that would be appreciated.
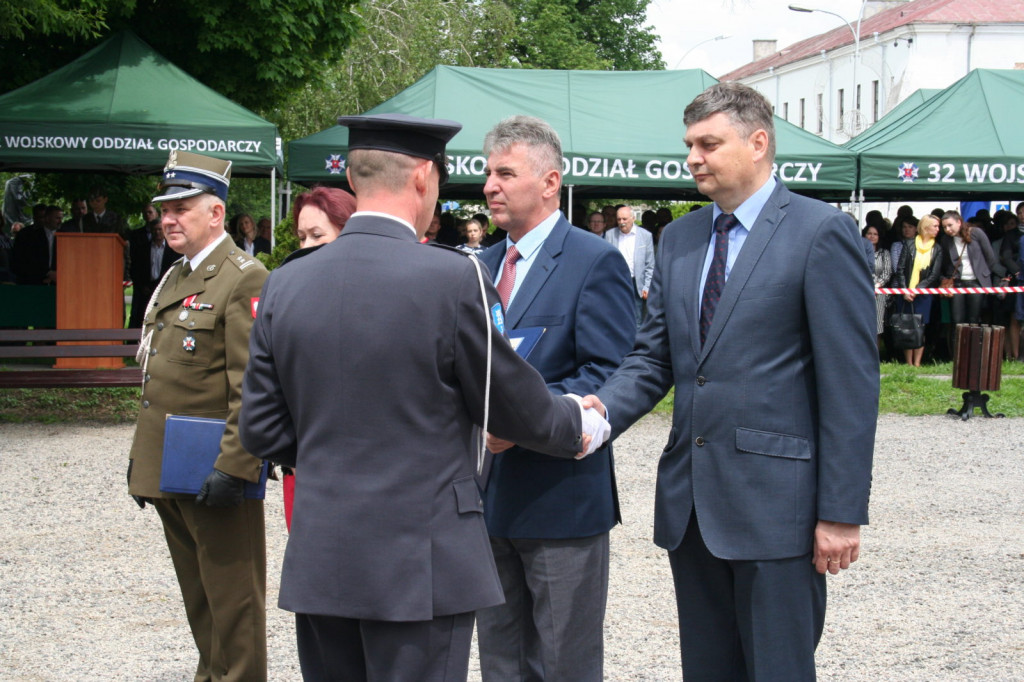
column 474, row 235
column 920, row 267
column 882, row 273
column 973, row 262
column 320, row 214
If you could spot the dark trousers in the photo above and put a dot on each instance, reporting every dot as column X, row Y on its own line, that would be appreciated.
column 551, row 626
column 352, row 650
column 220, row 558
column 966, row 307
column 746, row 621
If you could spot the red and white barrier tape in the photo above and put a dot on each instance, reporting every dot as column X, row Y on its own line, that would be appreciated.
column 964, row 290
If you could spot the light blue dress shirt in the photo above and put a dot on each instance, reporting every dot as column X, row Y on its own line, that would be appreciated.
column 528, row 247
column 746, row 214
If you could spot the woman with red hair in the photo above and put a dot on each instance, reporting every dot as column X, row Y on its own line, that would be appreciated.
column 319, row 216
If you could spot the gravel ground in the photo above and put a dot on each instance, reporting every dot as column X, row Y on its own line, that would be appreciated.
column 87, row 591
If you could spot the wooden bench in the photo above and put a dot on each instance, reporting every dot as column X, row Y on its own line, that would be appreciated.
column 89, row 343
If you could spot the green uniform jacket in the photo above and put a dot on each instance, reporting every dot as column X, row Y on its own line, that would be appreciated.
column 205, row 381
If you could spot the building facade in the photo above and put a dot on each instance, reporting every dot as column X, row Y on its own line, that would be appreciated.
column 837, row 87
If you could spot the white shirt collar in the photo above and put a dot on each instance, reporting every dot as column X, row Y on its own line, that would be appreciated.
column 378, row 214
column 201, row 256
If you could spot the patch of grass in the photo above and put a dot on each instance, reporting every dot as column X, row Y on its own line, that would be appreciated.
column 928, row 390
column 905, row 390
column 68, row 405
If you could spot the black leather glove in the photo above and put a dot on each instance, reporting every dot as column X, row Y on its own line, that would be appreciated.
column 221, row 490
column 141, row 501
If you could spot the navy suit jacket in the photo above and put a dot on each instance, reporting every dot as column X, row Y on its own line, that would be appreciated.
column 774, row 420
column 579, row 289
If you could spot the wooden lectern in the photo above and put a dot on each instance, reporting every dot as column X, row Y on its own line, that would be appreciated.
column 90, row 292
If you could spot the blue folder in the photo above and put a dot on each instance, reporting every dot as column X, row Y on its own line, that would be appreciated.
column 525, row 340
column 191, row 447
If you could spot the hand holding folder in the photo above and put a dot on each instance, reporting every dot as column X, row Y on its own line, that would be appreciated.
column 191, row 447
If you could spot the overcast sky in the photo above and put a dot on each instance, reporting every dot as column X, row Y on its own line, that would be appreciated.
column 683, row 24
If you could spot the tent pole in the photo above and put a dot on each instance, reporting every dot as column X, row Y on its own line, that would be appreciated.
column 273, row 213
column 570, row 203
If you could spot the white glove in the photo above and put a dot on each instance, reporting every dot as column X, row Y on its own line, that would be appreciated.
column 594, row 425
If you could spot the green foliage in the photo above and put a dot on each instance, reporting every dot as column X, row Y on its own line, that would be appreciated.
column 127, row 194
column 255, row 52
column 402, row 41
column 79, row 19
column 584, row 34
column 285, row 242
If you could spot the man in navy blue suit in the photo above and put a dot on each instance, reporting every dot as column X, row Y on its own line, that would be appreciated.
column 761, row 317
column 549, row 519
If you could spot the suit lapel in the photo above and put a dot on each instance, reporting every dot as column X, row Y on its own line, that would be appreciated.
column 544, row 265
column 760, row 235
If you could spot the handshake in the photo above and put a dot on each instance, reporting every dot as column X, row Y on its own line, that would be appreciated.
column 596, row 428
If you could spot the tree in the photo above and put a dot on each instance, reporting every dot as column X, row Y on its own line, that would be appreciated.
column 595, row 34
column 402, row 40
column 256, row 52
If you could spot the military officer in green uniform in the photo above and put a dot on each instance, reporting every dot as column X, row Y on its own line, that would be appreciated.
column 195, row 345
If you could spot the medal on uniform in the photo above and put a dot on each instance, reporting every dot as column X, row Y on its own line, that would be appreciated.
column 190, row 303
column 189, row 344
column 183, row 315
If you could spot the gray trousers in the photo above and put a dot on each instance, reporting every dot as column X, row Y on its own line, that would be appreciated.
column 551, row 626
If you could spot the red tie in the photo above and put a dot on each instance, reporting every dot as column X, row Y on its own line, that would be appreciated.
column 508, row 276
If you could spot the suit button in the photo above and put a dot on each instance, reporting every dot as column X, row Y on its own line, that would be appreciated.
column 699, row 440
column 701, row 381
column 145, row 404
column 148, row 377
column 152, row 352
column 159, row 326
column 192, row 323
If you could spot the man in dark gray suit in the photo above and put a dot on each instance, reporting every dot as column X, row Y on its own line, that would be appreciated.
column 761, row 315
column 373, row 360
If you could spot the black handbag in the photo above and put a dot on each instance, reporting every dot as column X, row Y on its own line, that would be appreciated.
column 907, row 329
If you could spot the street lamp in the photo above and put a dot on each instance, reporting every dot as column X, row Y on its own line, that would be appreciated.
column 709, row 40
column 856, row 50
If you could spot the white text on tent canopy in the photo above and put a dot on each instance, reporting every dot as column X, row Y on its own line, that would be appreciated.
column 130, row 143
column 579, row 167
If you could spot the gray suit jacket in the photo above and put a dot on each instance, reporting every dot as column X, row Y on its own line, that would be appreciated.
column 643, row 256
column 774, row 419
column 367, row 372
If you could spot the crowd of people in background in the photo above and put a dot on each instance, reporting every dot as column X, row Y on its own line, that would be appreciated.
column 943, row 250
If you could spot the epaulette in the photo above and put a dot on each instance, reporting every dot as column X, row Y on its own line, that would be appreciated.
column 241, row 260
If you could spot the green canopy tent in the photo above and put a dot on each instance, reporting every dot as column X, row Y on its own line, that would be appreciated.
column 120, row 108
column 633, row 148
column 965, row 141
column 914, row 100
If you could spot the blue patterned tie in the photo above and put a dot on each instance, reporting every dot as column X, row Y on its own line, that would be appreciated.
column 715, row 282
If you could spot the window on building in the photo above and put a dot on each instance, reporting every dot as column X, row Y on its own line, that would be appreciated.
column 803, row 113
column 842, row 110
column 785, row 110
column 874, row 101
column 821, row 114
